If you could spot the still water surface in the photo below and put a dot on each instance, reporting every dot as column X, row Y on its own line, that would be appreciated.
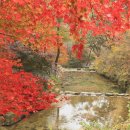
column 106, row 111
column 103, row 110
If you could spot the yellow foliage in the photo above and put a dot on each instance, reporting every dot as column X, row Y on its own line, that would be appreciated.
column 115, row 63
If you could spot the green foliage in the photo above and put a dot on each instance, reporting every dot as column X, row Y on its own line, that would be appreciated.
column 50, row 128
column 85, row 60
column 64, row 32
column 93, row 126
column 95, row 43
column 96, row 126
column 32, row 61
column 128, row 128
column 55, row 79
column 35, row 63
column 91, row 49
column 74, row 63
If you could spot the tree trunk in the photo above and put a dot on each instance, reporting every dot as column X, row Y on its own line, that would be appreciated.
column 58, row 52
column 57, row 56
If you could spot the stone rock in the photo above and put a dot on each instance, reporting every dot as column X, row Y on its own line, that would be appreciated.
column 61, row 92
column 92, row 71
column 76, row 93
column 99, row 94
column 69, row 92
column 109, row 94
column 123, row 94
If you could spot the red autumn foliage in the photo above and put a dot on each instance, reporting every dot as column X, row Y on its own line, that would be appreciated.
column 20, row 92
column 35, row 22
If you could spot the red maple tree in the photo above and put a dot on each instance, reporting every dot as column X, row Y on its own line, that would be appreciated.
column 35, row 22
column 21, row 92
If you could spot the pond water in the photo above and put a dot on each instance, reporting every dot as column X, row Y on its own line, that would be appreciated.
column 87, row 82
column 106, row 111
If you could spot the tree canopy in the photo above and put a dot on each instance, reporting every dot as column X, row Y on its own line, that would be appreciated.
column 34, row 23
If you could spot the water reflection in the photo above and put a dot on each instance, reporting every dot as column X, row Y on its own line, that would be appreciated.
column 103, row 110
column 85, row 111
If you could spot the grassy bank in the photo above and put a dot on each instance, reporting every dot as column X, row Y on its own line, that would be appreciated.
column 114, row 64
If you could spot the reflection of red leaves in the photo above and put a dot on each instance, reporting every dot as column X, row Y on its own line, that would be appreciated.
column 63, row 98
